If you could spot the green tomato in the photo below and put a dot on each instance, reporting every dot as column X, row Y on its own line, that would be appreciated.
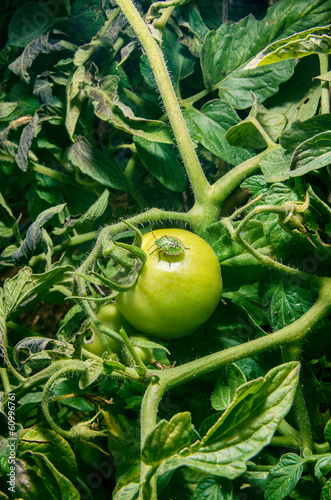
column 111, row 317
column 174, row 293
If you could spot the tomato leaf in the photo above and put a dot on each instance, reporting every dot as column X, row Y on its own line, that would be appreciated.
column 235, row 84
column 23, row 27
column 283, row 478
column 30, row 244
column 300, row 131
column 93, row 370
column 275, row 165
column 311, row 155
column 227, row 50
column 230, row 378
column 128, row 492
column 179, row 60
column 244, row 428
column 285, row 299
column 210, row 134
column 161, row 161
column 313, row 41
column 40, row 45
column 109, row 108
column 322, row 467
column 168, row 438
column 27, row 136
column 41, row 440
column 211, row 488
column 25, row 289
column 92, row 162
column 93, row 213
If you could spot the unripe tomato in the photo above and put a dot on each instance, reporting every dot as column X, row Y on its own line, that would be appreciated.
column 174, row 294
column 111, row 317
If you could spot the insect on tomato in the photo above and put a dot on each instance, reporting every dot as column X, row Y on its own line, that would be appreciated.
column 168, row 245
column 169, row 301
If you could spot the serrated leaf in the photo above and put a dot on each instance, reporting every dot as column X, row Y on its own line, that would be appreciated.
column 128, row 492
column 8, row 224
column 230, row 378
column 75, row 98
column 167, row 438
column 301, row 131
column 24, row 27
column 323, row 467
column 246, row 134
column 34, row 345
column 244, row 428
column 25, row 289
column 314, row 41
column 222, row 57
column 180, row 61
column 41, row 440
column 285, row 300
column 28, row 133
column 94, row 212
column 40, row 45
column 207, row 132
column 326, row 491
column 33, row 237
column 283, row 478
column 6, row 108
column 312, row 154
column 42, row 88
column 211, row 488
column 58, row 485
column 226, row 51
column 92, row 162
column 161, row 161
column 275, row 165
column 109, row 108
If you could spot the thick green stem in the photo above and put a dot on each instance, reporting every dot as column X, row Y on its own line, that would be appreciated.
column 70, row 367
column 232, row 179
column 198, row 181
column 293, row 352
column 289, row 334
column 5, row 381
column 325, row 86
column 148, row 418
column 168, row 379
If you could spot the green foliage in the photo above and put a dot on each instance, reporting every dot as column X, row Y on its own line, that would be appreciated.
column 89, row 153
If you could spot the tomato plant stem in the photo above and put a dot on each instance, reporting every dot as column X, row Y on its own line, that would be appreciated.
column 325, row 85
column 71, row 367
column 173, row 377
column 293, row 352
column 224, row 186
column 198, row 181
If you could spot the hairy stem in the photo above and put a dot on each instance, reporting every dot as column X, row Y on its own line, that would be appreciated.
column 325, row 85
column 198, row 181
column 73, row 366
column 224, row 186
column 168, row 379
column 293, row 352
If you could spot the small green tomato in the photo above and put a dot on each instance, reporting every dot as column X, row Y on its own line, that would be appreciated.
column 111, row 317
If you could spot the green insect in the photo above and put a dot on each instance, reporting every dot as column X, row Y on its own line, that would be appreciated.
column 168, row 245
